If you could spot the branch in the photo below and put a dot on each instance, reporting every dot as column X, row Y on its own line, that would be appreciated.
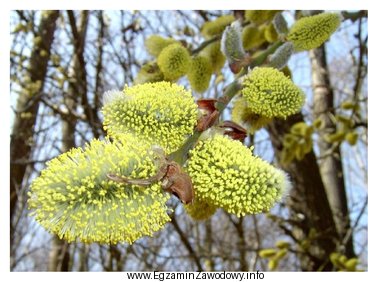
column 186, row 242
column 181, row 155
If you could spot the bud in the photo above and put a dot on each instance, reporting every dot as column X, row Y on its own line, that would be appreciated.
column 280, row 24
column 351, row 264
column 273, row 264
column 225, row 174
column 270, row 33
column 281, row 56
column 352, row 138
column 252, row 37
column 270, row 93
column 216, row 27
column 199, row 73
column 267, row 253
column 232, row 47
column 159, row 113
column 174, row 61
column 297, row 143
column 74, row 199
column 282, row 244
column 156, row 43
column 310, row 32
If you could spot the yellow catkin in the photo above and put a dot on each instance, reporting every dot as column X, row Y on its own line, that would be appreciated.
column 199, row 73
column 270, row 93
column 217, row 26
column 213, row 52
column 225, row 174
column 260, row 16
column 174, row 61
column 252, row 37
column 159, row 113
column 311, row 32
column 74, row 199
column 156, row 43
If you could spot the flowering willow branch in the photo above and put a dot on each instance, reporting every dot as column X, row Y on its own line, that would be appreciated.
column 181, row 155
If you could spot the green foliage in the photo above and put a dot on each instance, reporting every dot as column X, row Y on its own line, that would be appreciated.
column 311, row 32
column 270, row 93
column 225, row 174
column 174, row 61
column 216, row 27
column 74, row 199
column 199, row 73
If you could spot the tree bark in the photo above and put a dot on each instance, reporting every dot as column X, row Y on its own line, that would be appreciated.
column 313, row 227
column 22, row 136
column 330, row 162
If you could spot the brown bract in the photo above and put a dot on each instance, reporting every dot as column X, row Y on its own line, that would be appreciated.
column 210, row 114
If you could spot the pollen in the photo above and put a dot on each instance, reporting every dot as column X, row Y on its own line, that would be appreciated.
column 225, row 174
column 200, row 73
column 159, row 113
column 174, row 61
column 74, row 199
column 270, row 93
column 311, row 32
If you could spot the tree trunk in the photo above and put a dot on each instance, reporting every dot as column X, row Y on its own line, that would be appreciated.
column 22, row 136
column 330, row 162
column 313, row 227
